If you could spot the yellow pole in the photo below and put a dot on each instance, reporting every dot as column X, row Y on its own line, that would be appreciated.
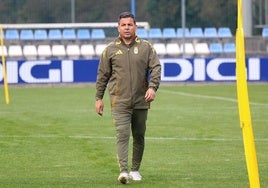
column 4, row 66
column 243, row 104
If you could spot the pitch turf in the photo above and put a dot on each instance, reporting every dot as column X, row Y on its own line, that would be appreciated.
column 51, row 137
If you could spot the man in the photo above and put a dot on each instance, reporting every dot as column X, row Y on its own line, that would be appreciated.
column 131, row 67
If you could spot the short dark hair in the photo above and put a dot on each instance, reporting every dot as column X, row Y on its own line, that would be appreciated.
column 126, row 15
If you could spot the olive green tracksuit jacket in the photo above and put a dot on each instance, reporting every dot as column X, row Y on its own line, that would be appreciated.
column 129, row 70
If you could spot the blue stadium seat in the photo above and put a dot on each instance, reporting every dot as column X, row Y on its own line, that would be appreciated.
column 68, row 34
column 215, row 48
column 265, row 32
column 180, row 32
column 97, row 34
column 83, row 34
column 12, row 34
column 54, row 34
column 142, row 33
column 26, row 34
column 196, row 32
column 210, row 32
column 224, row 32
column 229, row 47
column 155, row 33
column 40, row 34
column 169, row 33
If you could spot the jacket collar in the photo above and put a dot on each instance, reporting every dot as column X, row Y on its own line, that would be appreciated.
column 119, row 40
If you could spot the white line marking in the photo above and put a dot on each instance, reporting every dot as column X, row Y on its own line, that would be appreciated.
column 208, row 97
column 147, row 138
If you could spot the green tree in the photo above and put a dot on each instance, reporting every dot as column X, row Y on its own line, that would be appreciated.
column 160, row 13
column 199, row 13
column 164, row 13
column 44, row 11
column 101, row 11
column 9, row 9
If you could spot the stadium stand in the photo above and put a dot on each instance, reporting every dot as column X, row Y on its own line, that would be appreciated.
column 160, row 48
column 73, row 51
column 40, row 34
column 12, row 34
column 180, row 32
column 188, row 48
column 68, row 34
column 202, row 49
column 97, row 34
column 229, row 47
column 44, row 51
column 58, row 50
column 26, row 34
column 210, row 32
column 83, row 34
column 215, row 48
column 169, row 33
column 54, row 34
column 196, row 32
column 224, row 32
column 155, row 33
column 99, row 48
column 29, row 51
column 265, row 32
column 87, row 50
column 84, row 41
column 15, row 51
column 142, row 33
column 173, row 49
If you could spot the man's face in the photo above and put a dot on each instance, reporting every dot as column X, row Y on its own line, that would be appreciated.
column 127, row 28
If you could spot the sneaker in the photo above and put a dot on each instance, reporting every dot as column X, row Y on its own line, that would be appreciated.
column 123, row 177
column 135, row 175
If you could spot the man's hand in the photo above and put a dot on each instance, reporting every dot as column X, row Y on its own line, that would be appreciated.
column 99, row 105
column 149, row 95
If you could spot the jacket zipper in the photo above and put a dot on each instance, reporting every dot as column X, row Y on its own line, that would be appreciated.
column 130, row 73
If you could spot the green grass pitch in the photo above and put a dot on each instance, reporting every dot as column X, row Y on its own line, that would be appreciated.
column 50, row 136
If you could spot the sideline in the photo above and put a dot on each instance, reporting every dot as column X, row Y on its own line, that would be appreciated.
column 208, row 97
column 147, row 138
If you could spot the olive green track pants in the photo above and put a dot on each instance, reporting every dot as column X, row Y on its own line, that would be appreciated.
column 128, row 121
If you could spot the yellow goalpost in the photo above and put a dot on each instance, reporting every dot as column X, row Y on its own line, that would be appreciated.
column 4, row 66
column 243, row 103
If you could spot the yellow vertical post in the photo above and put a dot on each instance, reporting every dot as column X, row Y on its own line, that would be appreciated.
column 4, row 66
column 243, row 103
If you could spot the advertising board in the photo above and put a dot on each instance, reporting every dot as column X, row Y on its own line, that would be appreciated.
column 173, row 70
